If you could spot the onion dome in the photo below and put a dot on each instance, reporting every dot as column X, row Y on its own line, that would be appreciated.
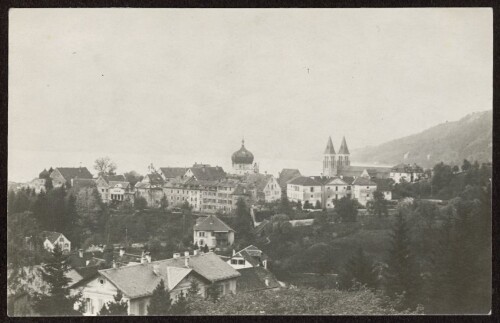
column 242, row 156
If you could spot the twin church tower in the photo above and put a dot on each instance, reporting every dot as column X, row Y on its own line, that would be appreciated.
column 334, row 162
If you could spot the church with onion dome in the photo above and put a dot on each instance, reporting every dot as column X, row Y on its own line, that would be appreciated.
column 243, row 161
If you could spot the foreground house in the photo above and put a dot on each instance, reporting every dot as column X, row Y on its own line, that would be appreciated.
column 65, row 175
column 52, row 239
column 137, row 282
column 212, row 232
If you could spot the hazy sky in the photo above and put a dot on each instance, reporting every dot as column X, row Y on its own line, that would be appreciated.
column 178, row 81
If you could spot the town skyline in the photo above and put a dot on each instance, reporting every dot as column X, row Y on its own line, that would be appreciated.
column 138, row 81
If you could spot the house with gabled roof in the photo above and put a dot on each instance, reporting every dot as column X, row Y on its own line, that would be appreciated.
column 137, row 282
column 286, row 175
column 255, row 279
column 52, row 238
column 206, row 172
column 248, row 257
column 212, row 232
column 64, row 175
column 264, row 187
column 335, row 189
column 363, row 188
column 168, row 173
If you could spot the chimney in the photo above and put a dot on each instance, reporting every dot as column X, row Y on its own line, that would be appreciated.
column 87, row 263
column 266, row 281
column 234, row 252
column 143, row 259
column 186, row 259
column 148, row 257
column 195, row 252
column 80, row 253
column 177, row 255
column 122, row 251
column 114, row 264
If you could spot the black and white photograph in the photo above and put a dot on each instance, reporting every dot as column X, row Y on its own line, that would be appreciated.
column 278, row 161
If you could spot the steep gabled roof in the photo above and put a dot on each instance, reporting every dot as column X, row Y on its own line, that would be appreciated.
column 337, row 181
column 329, row 150
column 304, row 181
column 259, row 181
column 72, row 172
column 212, row 223
column 50, row 235
column 208, row 173
column 173, row 172
column 343, row 147
column 286, row 175
column 363, row 181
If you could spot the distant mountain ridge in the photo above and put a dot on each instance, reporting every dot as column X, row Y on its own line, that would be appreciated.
column 470, row 137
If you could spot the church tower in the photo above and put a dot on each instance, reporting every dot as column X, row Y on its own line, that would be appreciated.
column 329, row 166
column 343, row 155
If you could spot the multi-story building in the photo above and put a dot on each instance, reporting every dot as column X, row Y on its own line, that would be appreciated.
column 64, row 175
column 363, row 188
column 114, row 188
column 406, row 172
column 336, row 189
column 151, row 189
column 264, row 187
column 305, row 189
column 212, row 232
column 137, row 282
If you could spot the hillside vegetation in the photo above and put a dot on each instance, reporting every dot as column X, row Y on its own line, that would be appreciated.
column 451, row 142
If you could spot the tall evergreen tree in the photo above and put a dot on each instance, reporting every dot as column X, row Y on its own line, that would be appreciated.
column 119, row 307
column 243, row 222
column 401, row 276
column 58, row 300
column 194, row 289
column 378, row 206
column 160, row 302
column 359, row 268
column 180, row 307
column 284, row 206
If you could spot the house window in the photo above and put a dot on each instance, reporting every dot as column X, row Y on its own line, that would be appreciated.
column 61, row 239
column 312, row 189
column 102, row 190
column 201, row 234
column 241, row 261
column 336, row 188
column 234, row 261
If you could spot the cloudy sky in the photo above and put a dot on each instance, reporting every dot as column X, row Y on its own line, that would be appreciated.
column 183, row 81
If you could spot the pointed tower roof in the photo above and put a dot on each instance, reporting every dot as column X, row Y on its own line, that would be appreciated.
column 343, row 147
column 329, row 147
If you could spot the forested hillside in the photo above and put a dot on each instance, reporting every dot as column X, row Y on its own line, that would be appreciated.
column 451, row 142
